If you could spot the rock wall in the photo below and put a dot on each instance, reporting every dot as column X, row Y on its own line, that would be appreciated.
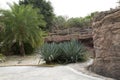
column 106, row 37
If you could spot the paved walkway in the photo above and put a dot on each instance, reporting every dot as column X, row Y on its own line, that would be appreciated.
column 43, row 73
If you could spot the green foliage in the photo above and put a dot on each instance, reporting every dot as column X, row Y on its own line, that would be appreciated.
column 44, row 7
column 2, row 58
column 5, row 49
column 67, row 52
column 50, row 52
column 59, row 22
column 74, row 22
column 1, row 32
column 21, row 25
column 87, row 20
column 73, row 51
column 1, row 55
column 28, row 49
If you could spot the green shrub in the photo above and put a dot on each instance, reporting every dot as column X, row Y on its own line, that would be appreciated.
column 5, row 49
column 1, row 55
column 2, row 58
column 73, row 51
column 50, row 52
column 59, row 22
column 75, row 22
column 28, row 49
column 63, row 53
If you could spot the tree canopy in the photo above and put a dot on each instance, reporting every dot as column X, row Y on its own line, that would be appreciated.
column 45, row 8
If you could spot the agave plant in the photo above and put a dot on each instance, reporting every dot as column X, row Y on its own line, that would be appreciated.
column 67, row 52
column 73, row 51
column 50, row 52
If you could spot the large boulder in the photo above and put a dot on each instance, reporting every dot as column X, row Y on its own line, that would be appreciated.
column 106, row 37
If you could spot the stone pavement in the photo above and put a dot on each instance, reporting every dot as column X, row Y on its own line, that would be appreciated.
column 43, row 73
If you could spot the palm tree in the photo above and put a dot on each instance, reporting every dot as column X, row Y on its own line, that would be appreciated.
column 21, row 25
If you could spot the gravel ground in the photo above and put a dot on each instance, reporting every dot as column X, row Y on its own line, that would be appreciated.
column 31, row 60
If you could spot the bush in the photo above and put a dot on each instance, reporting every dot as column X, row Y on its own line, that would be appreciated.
column 2, row 58
column 67, row 52
column 73, row 51
column 28, row 49
column 5, row 49
column 75, row 22
column 50, row 52
column 59, row 22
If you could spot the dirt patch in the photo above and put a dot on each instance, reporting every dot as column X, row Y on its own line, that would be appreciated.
column 20, row 61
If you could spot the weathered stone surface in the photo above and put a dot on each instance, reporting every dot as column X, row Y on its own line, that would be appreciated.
column 68, row 34
column 61, row 38
column 106, row 37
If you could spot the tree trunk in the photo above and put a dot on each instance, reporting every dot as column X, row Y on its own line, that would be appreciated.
column 22, row 50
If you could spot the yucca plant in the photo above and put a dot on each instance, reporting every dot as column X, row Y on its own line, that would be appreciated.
column 50, row 52
column 72, row 51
